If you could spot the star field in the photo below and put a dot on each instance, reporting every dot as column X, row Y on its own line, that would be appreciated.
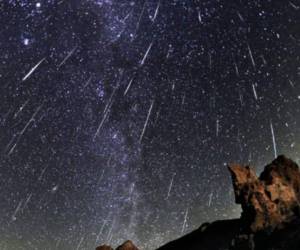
column 118, row 118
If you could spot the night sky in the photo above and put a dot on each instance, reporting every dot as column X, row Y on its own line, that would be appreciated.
column 118, row 118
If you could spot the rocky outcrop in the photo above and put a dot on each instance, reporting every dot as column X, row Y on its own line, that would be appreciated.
column 270, row 201
column 270, row 219
column 127, row 245
column 104, row 247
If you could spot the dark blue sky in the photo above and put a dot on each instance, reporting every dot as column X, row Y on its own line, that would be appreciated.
column 118, row 118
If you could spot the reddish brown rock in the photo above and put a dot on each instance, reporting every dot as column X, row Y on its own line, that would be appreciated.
column 270, row 201
column 104, row 247
column 127, row 245
column 270, row 219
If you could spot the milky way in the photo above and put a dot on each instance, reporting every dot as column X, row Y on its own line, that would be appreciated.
column 118, row 118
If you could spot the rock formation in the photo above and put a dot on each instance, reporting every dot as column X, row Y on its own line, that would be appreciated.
column 270, row 201
column 127, row 245
column 270, row 219
column 104, row 247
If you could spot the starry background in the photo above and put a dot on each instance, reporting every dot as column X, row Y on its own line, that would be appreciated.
column 118, row 117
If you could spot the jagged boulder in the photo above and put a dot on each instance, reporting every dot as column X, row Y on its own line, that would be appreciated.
column 104, row 247
column 270, row 201
column 270, row 219
column 127, row 245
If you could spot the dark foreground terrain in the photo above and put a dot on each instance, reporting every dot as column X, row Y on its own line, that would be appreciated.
column 270, row 219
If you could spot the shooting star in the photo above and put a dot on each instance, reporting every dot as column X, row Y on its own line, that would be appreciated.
column 146, row 122
column 32, row 70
